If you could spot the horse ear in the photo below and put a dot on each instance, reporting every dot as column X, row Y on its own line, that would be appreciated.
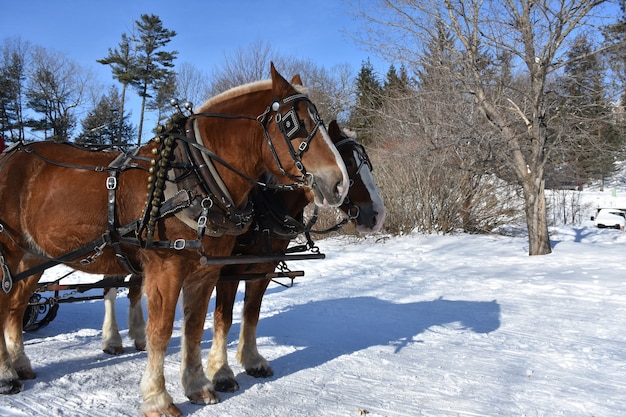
column 280, row 86
column 333, row 130
column 296, row 80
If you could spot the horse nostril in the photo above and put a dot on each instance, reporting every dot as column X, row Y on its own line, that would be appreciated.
column 374, row 219
column 339, row 189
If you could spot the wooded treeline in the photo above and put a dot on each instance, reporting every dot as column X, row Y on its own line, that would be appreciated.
column 485, row 106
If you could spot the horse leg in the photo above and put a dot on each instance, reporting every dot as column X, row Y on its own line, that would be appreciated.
column 14, row 364
column 162, row 285
column 111, row 339
column 136, row 322
column 196, row 294
column 247, row 353
column 218, row 369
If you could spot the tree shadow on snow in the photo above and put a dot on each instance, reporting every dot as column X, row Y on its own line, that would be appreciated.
column 325, row 330
column 581, row 233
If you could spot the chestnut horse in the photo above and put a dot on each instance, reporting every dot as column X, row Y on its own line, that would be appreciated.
column 57, row 198
column 363, row 205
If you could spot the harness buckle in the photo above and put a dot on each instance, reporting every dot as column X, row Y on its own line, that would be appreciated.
column 179, row 244
column 202, row 221
column 111, row 183
column 7, row 279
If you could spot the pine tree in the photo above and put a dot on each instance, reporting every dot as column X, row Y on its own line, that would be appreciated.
column 586, row 117
column 102, row 127
column 154, row 65
column 123, row 64
column 368, row 101
column 615, row 42
column 165, row 90
column 396, row 82
column 13, row 67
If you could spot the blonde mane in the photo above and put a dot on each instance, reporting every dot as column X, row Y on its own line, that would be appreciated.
column 235, row 92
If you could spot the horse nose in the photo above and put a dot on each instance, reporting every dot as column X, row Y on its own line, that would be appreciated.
column 367, row 220
column 339, row 191
column 370, row 220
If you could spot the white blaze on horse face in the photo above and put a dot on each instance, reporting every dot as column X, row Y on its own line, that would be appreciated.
column 342, row 188
column 377, row 201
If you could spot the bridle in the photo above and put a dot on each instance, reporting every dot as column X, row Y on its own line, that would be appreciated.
column 184, row 128
column 362, row 160
column 291, row 127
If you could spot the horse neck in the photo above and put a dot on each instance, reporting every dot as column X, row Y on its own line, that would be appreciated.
column 238, row 142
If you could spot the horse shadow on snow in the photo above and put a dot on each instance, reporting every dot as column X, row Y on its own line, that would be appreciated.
column 324, row 330
column 320, row 330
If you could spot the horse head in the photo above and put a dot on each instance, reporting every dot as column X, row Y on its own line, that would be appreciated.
column 363, row 203
column 306, row 150
column 292, row 143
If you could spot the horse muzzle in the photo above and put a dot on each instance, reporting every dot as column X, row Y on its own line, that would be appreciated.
column 370, row 220
column 329, row 190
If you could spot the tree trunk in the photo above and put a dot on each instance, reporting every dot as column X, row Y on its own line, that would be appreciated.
column 536, row 216
column 143, row 110
column 122, row 109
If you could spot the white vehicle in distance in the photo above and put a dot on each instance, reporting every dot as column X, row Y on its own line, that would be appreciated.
column 610, row 218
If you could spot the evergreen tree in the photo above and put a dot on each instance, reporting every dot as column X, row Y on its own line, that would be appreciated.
column 12, row 81
column 396, row 82
column 368, row 101
column 165, row 91
column 586, row 117
column 615, row 42
column 123, row 64
column 154, row 65
column 102, row 127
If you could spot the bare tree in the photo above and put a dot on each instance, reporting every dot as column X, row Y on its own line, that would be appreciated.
column 533, row 33
column 56, row 88
column 191, row 84
column 330, row 89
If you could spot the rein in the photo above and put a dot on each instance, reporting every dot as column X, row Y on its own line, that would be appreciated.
column 157, row 206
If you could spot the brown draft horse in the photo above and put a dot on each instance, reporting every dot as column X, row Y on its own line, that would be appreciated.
column 363, row 205
column 55, row 200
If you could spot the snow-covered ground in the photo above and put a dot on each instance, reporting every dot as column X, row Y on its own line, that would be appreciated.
column 460, row 325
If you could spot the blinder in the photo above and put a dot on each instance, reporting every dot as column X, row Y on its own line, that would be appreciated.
column 363, row 158
column 292, row 127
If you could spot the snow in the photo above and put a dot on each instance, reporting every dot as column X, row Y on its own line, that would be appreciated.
column 416, row 325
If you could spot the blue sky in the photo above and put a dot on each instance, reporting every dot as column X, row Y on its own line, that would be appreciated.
column 206, row 30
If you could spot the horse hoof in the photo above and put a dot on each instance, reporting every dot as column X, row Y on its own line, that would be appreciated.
column 113, row 350
column 261, row 372
column 11, row 386
column 204, row 398
column 226, row 385
column 170, row 411
column 26, row 374
column 140, row 346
